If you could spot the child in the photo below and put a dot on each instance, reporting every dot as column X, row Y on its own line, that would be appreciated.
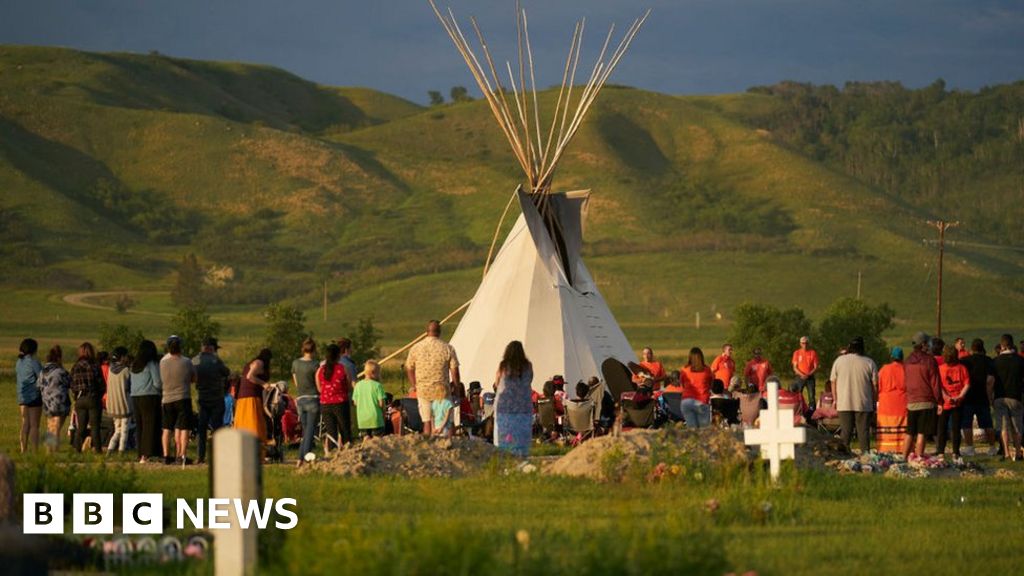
column 443, row 410
column 369, row 400
column 395, row 416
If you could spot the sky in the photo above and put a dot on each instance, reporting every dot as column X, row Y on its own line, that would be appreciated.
column 686, row 47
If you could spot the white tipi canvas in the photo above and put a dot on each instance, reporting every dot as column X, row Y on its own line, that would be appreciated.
column 562, row 320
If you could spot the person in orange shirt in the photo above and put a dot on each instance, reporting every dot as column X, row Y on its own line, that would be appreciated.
column 805, row 364
column 696, row 378
column 758, row 370
column 723, row 366
column 955, row 381
column 892, row 404
column 673, row 384
column 650, row 368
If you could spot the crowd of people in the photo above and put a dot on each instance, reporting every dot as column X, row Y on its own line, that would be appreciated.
column 157, row 404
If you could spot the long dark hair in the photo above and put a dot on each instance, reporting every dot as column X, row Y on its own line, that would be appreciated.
column 333, row 353
column 514, row 362
column 264, row 356
column 696, row 362
column 147, row 353
column 28, row 348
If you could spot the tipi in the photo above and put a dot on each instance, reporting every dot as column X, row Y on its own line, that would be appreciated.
column 538, row 289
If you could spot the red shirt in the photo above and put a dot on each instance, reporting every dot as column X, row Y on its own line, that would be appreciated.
column 963, row 353
column 953, row 378
column 697, row 384
column 724, row 368
column 758, row 373
column 336, row 389
column 805, row 360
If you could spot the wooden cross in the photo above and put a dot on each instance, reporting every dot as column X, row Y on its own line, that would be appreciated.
column 776, row 434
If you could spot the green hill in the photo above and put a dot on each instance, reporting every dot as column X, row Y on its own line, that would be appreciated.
column 114, row 166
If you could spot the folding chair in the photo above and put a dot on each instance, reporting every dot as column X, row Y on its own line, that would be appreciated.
column 548, row 420
column 579, row 416
column 671, row 403
column 637, row 410
column 411, row 420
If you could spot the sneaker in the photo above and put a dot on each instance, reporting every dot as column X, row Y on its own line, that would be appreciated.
column 967, row 451
column 958, row 461
column 169, row 459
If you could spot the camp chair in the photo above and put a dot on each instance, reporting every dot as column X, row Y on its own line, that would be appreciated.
column 750, row 407
column 829, row 426
column 411, row 420
column 671, row 402
column 579, row 417
column 793, row 403
column 637, row 410
column 548, row 420
column 725, row 411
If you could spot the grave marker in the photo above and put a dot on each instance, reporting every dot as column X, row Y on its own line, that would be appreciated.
column 236, row 474
column 776, row 434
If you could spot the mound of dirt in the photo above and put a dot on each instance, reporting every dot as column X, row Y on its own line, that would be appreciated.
column 611, row 457
column 410, row 455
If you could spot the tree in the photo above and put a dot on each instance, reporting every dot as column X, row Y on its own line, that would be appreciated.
column 848, row 318
column 460, row 94
column 776, row 332
column 188, row 290
column 192, row 324
column 365, row 341
column 436, row 99
column 286, row 329
column 123, row 303
column 114, row 335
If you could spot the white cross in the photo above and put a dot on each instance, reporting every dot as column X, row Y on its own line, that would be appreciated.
column 776, row 435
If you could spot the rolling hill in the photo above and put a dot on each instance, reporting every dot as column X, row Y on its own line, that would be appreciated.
column 114, row 166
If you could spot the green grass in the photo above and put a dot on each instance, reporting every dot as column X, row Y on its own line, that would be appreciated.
column 849, row 524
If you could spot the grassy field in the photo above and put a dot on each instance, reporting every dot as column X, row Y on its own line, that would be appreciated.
column 811, row 522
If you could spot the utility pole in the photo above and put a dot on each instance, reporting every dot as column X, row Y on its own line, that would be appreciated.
column 325, row 300
column 941, row 225
column 858, row 284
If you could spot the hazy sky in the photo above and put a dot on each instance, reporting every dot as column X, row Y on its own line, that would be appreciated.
column 688, row 46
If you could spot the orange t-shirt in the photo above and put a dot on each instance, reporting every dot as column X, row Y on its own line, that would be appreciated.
column 953, row 379
column 655, row 369
column 696, row 384
column 805, row 360
column 758, row 373
column 724, row 368
column 892, row 392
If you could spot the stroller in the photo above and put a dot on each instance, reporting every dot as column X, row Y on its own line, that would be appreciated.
column 275, row 404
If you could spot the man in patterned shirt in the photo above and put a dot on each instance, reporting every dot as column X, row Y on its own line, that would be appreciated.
column 431, row 367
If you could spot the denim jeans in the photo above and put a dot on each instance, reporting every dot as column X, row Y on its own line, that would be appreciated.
column 309, row 418
column 808, row 384
column 211, row 417
column 696, row 413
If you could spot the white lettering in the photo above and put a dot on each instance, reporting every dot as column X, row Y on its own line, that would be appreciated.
column 196, row 516
column 253, row 510
column 217, row 508
column 280, row 506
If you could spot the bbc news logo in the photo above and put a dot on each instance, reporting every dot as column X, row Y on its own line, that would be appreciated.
column 144, row 513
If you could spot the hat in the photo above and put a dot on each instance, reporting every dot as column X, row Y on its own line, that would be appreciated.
column 919, row 338
column 897, row 353
column 173, row 338
column 558, row 379
column 211, row 342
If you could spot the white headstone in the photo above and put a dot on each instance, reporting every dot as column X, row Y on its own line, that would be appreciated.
column 777, row 436
column 236, row 474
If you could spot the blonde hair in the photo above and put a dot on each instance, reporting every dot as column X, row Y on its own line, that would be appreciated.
column 371, row 368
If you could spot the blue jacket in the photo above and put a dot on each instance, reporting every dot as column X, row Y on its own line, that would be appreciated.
column 147, row 382
column 28, row 370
